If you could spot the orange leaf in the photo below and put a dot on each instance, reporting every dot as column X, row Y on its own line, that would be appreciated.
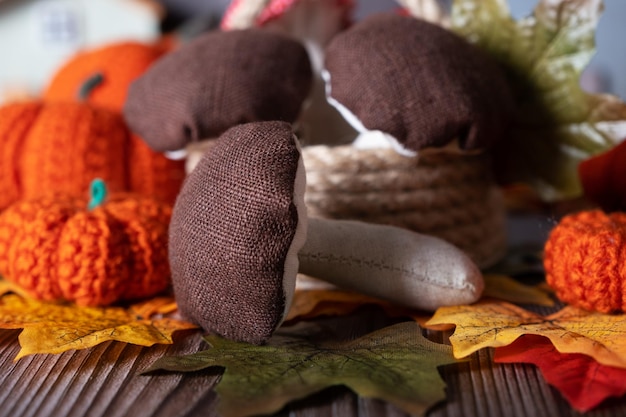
column 7, row 287
column 56, row 328
column 571, row 330
column 311, row 303
column 156, row 305
column 582, row 381
column 308, row 304
column 508, row 289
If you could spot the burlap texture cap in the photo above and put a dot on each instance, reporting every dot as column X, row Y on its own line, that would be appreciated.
column 217, row 81
column 231, row 230
column 418, row 82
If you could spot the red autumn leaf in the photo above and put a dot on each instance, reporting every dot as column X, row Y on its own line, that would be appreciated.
column 602, row 178
column 581, row 380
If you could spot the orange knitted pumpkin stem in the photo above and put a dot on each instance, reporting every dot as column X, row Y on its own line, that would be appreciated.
column 88, row 86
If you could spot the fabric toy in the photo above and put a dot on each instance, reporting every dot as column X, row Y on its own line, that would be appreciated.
column 115, row 66
column 429, row 106
column 216, row 81
column 240, row 234
column 419, row 84
column 584, row 260
column 58, row 248
column 237, row 236
column 314, row 24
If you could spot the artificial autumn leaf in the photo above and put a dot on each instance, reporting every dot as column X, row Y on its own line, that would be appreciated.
column 313, row 303
column 506, row 288
column 395, row 364
column 7, row 287
column 152, row 306
column 571, row 330
column 582, row 381
column 602, row 178
column 56, row 328
column 557, row 124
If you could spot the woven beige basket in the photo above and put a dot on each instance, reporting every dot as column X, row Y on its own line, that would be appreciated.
column 448, row 195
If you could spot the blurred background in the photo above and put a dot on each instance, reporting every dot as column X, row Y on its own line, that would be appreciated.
column 606, row 73
column 37, row 36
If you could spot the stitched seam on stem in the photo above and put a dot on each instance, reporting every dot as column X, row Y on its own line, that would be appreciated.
column 320, row 257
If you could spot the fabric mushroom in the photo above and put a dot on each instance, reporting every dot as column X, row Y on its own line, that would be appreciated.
column 313, row 23
column 240, row 234
column 218, row 80
column 418, row 83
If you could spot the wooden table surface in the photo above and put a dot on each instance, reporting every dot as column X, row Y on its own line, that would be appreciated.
column 106, row 381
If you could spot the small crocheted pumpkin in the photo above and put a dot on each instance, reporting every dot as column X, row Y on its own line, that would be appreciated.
column 117, row 65
column 55, row 248
column 15, row 123
column 585, row 260
column 59, row 146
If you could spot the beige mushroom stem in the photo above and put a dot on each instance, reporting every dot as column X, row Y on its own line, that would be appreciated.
column 404, row 267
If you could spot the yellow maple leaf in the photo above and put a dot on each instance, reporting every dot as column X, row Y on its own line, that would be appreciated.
column 56, row 328
column 571, row 330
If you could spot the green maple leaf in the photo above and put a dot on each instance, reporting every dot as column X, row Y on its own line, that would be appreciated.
column 396, row 364
column 557, row 123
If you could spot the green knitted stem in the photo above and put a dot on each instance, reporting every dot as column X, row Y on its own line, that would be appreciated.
column 87, row 87
column 98, row 192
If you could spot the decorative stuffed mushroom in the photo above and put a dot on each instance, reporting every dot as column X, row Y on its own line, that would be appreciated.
column 240, row 234
column 218, row 80
column 314, row 23
column 418, row 83
column 414, row 88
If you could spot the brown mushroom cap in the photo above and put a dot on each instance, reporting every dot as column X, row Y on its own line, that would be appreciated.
column 418, row 82
column 217, row 81
column 236, row 231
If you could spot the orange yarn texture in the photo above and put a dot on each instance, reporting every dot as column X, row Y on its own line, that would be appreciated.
column 55, row 249
column 63, row 146
column 68, row 145
column 149, row 173
column 15, row 122
column 585, row 260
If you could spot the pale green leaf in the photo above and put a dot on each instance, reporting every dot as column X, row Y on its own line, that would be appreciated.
column 396, row 364
column 557, row 123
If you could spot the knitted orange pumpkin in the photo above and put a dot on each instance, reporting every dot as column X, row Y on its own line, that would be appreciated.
column 117, row 65
column 60, row 147
column 585, row 260
column 57, row 249
column 15, row 123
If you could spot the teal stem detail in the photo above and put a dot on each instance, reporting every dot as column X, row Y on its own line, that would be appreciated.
column 98, row 192
column 87, row 87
